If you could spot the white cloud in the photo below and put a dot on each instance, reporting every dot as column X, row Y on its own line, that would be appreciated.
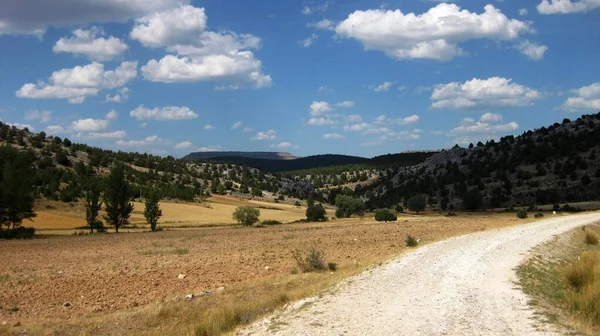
column 482, row 93
column 79, row 82
column 112, row 115
column 268, row 135
column 101, row 135
column 34, row 16
column 282, row 145
column 208, row 149
column 88, row 43
column 55, row 129
column 209, row 127
column 523, row 11
column 200, row 55
column 163, row 113
column 333, row 136
column 120, row 97
column 357, row 127
column 532, row 50
column 311, row 9
column 491, row 117
column 320, row 121
column 586, row 98
column 320, row 107
column 346, row 104
column 354, row 118
column 307, row 42
column 384, row 120
column 248, row 129
column 183, row 145
column 324, row 24
column 435, row 34
column 324, row 88
column 487, row 128
column 236, row 125
column 89, row 125
column 140, row 143
column 42, row 116
column 567, row 6
column 384, row 87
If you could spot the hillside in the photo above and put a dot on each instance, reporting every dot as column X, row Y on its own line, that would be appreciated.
column 247, row 155
column 554, row 164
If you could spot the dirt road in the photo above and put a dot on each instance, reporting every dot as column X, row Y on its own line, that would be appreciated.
column 459, row 286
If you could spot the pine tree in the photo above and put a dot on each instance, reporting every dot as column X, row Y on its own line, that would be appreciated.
column 92, row 204
column 116, row 198
column 152, row 210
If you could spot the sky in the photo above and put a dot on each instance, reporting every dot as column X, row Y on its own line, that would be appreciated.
column 360, row 77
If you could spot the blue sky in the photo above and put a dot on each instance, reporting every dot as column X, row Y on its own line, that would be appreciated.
column 308, row 77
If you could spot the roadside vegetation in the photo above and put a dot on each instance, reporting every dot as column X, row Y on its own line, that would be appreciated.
column 563, row 279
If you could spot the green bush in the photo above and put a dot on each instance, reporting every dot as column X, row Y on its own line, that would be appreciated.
column 314, row 261
column 522, row 214
column 411, row 241
column 332, row 266
column 297, row 203
column 539, row 215
column 399, row 208
column 18, row 233
column 316, row 213
column 384, row 215
column 270, row 222
column 246, row 216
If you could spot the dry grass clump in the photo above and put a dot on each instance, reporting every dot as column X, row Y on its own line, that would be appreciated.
column 591, row 238
column 583, row 277
column 313, row 262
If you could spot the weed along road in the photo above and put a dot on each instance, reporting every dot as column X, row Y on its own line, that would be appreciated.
column 459, row 286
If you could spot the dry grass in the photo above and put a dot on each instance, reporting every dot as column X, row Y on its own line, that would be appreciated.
column 115, row 287
column 563, row 280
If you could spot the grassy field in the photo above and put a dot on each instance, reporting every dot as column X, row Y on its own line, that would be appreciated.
column 134, row 283
column 563, row 280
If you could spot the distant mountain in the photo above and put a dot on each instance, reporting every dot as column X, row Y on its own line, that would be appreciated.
column 247, row 155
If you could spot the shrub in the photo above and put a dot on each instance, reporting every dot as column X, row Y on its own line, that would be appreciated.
column 522, row 214
column 246, row 215
column 473, row 200
column 297, row 203
column 451, row 214
column 315, row 261
column 18, row 233
column 591, row 238
column 281, row 198
column 539, row 215
column 270, row 222
column 332, row 266
column 316, row 213
column 417, row 203
column 399, row 208
column 385, row 215
column 411, row 241
column 347, row 206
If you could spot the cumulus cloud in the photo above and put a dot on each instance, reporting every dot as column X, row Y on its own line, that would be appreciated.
column 120, row 97
column 163, row 113
column 89, row 125
column 324, row 24
column 44, row 116
column 491, row 117
column 90, row 44
column 307, row 42
column 434, row 35
column 384, row 120
column 523, row 11
column 209, row 127
column 483, row 127
column 586, row 98
column 321, row 121
column 268, row 135
column 183, row 145
column 236, row 125
column 34, row 16
column 483, row 93
column 383, row 87
column 248, row 129
column 112, row 115
column 333, row 136
column 532, row 50
column 55, row 129
column 567, row 6
column 208, row 149
column 200, row 55
column 282, row 145
column 101, row 135
column 150, row 140
column 75, row 84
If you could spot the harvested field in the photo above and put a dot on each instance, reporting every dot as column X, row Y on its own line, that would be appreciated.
column 63, row 284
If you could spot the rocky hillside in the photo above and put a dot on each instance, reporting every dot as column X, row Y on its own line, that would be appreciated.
column 554, row 164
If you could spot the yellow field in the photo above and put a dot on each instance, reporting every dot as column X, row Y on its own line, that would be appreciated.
column 217, row 210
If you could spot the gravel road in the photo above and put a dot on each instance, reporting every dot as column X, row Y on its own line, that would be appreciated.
column 460, row 286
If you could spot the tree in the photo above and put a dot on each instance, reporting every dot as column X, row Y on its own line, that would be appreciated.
column 316, row 213
column 116, row 198
column 348, row 206
column 16, row 190
column 152, row 211
column 385, row 215
column 472, row 200
column 417, row 203
column 92, row 204
column 246, row 216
